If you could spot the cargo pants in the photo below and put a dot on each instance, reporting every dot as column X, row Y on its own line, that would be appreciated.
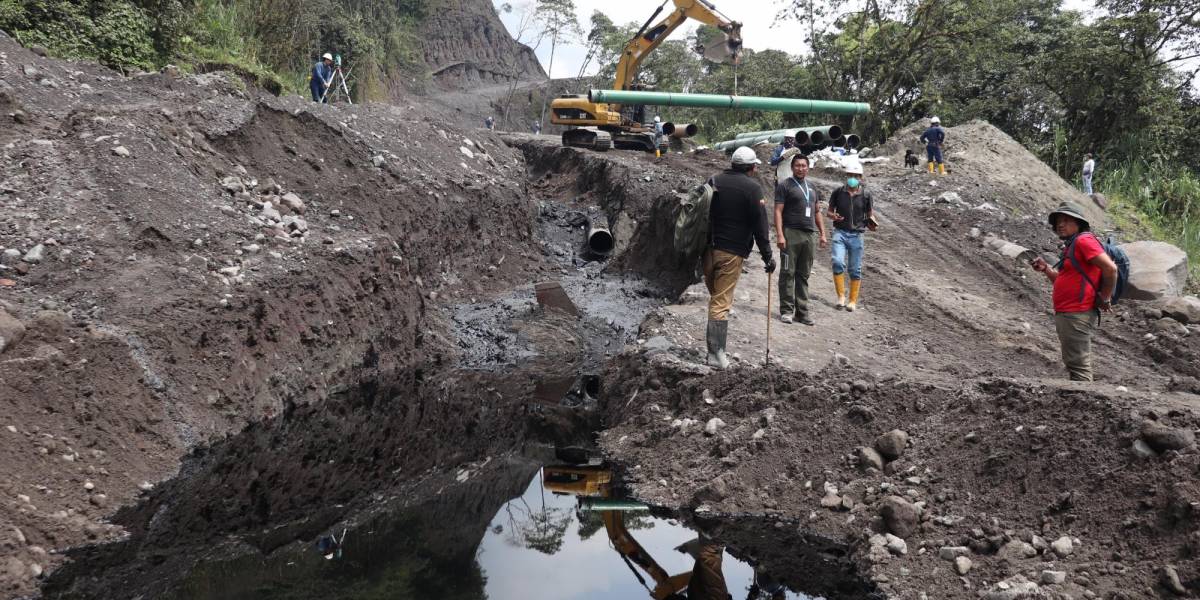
column 1075, row 330
column 721, row 272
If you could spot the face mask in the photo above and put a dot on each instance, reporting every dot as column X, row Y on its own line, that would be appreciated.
column 852, row 182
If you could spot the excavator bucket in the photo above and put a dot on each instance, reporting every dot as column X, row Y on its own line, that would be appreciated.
column 724, row 48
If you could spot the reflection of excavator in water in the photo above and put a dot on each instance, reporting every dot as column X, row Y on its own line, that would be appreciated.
column 602, row 126
column 592, row 486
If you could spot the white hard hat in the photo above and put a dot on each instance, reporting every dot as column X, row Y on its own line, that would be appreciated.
column 745, row 156
column 657, row 119
column 935, row 120
column 327, row 56
column 854, row 168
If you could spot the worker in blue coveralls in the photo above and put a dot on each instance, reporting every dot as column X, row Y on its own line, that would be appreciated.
column 322, row 77
column 934, row 138
column 789, row 141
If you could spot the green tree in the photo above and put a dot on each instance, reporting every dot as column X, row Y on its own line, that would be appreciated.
column 559, row 23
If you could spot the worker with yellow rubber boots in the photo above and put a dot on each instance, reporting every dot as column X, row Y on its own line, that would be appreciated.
column 850, row 209
column 934, row 138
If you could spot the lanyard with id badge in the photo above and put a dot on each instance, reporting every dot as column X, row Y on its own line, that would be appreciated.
column 807, row 197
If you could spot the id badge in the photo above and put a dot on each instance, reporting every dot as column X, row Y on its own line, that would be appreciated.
column 807, row 212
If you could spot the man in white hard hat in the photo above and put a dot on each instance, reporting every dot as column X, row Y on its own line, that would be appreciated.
column 322, row 77
column 851, row 210
column 933, row 138
column 737, row 222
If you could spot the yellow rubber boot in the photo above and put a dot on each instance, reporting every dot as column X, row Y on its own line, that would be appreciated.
column 855, row 284
column 839, row 285
column 942, row 168
column 658, row 154
column 931, row 167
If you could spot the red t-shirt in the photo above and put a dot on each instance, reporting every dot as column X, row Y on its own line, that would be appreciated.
column 1069, row 282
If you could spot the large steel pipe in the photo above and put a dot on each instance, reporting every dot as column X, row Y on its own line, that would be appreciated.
column 829, row 131
column 795, row 105
column 680, row 130
column 599, row 241
column 852, row 141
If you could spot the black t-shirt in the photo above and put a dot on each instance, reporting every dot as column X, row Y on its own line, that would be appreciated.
column 738, row 216
column 800, row 201
column 854, row 209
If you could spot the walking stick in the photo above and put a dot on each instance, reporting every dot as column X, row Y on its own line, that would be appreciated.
column 767, row 361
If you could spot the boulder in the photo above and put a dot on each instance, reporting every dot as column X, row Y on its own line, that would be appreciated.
column 900, row 517
column 1156, row 270
column 1101, row 201
column 293, row 202
column 1185, row 309
column 868, row 458
column 891, row 444
column 1162, row 438
column 11, row 330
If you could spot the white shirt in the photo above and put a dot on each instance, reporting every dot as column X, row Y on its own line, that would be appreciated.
column 1088, row 166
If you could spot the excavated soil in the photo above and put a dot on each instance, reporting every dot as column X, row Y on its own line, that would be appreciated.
column 196, row 371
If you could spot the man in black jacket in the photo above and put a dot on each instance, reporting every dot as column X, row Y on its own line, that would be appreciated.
column 738, row 221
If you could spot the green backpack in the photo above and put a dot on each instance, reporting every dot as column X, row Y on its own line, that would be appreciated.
column 691, row 225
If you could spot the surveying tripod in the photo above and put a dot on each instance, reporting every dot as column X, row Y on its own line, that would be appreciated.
column 336, row 88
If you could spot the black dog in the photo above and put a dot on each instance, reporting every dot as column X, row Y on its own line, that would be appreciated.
column 910, row 159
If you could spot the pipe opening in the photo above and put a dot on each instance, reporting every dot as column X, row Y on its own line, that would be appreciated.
column 600, row 241
column 591, row 386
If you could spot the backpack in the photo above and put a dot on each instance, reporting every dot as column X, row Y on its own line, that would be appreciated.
column 691, row 224
column 1114, row 252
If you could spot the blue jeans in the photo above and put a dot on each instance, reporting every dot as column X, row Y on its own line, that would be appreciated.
column 1087, row 184
column 847, row 243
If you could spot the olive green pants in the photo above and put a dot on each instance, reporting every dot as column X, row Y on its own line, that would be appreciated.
column 801, row 249
column 1075, row 331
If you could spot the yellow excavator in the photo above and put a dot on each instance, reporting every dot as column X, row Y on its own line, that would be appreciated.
column 601, row 126
column 592, row 486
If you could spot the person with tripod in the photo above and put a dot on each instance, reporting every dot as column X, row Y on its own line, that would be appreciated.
column 321, row 78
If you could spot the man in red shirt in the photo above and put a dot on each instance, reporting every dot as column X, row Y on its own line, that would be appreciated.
column 1083, row 286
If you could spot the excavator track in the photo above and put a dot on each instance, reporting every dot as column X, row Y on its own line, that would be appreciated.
column 586, row 137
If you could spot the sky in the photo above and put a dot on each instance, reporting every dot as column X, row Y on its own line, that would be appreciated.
column 761, row 29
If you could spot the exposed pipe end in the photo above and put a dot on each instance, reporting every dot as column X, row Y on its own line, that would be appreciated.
column 835, row 132
column 839, row 142
column 853, row 141
column 600, row 241
column 816, row 138
column 801, row 138
column 681, row 130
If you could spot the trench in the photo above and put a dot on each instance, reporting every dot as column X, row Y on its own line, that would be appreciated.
column 449, row 482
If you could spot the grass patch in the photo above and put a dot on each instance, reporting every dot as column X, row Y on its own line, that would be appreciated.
column 1157, row 201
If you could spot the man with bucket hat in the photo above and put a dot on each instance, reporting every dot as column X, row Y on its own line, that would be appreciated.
column 1083, row 280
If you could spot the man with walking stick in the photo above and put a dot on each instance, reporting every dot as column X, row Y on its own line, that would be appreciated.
column 737, row 222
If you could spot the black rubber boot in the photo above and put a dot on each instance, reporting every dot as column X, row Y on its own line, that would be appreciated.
column 718, row 333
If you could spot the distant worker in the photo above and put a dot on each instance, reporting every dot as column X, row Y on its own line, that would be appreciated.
column 789, row 141
column 537, row 127
column 798, row 223
column 658, row 136
column 1089, row 166
column 490, row 122
column 1083, row 286
column 737, row 221
column 851, row 210
column 934, row 138
column 322, row 77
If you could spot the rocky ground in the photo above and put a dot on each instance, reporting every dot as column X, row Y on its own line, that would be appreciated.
column 198, row 274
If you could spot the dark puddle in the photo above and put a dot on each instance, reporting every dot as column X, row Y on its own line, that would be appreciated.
column 502, row 530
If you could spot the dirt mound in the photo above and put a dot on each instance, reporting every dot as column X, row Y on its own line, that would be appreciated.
column 1000, row 468
column 211, row 257
column 991, row 160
